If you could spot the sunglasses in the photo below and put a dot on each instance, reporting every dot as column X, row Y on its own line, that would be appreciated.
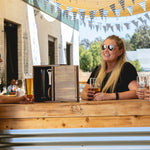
column 110, row 47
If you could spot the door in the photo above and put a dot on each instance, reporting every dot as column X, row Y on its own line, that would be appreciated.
column 11, row 50
column 51, row 49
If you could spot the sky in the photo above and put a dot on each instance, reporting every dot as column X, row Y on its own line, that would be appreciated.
column 91, row 34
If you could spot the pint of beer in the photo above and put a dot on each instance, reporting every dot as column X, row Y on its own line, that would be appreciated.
column 29, row 87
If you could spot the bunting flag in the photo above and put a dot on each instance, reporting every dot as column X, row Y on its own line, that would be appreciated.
column 90, row 24
column 92, row 14
column 133, row 1
column 45, row 3
column 136, row 23
column 145, row 22
column 127, row 25
column 52, row 8
column 59, row 11
column 105, row 12
column 101, row 12
column 130, row 9
column 142, row 4
column 74, row 15
column 122, row 3
column 67, row 13
column 104, row 27
column 117, row 12
column 118, row 27
column 112, row 28
column 108, row 25
column 82, row 16
column 97, row 27
column 147, row 16
column 140, row 18
column 113, row 8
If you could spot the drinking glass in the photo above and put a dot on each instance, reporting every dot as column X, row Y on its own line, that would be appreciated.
column 147, row 91
column 95, row 84
column 141, row 81
column 29, row 86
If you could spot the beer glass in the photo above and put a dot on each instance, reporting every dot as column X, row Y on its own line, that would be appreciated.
column 147, row 91
column 29, row 86
column 95, row 84
column 141, row 82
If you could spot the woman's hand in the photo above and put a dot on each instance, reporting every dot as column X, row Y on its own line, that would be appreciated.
column 104, row 96
column 25, row 100
column 140, row 93
column 90, row 93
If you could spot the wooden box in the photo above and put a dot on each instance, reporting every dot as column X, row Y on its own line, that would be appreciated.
column 56, row 83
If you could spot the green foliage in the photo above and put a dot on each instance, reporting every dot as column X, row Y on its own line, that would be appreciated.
column 141, row 38
column 136, row 64
column 90, row 58
column 86, row 61
column 96, row 53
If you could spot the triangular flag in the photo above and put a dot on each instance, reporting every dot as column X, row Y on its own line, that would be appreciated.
column 52, row 8
column 67, row 13
column 104, row 27
column 133, row 1
column 105, row 12
column 74, row 15
column 82, row 16
column 130, row 9
column 142, row 4
column 118, row 27
column 117, row 12
column 92, row 14
column 147, row 16
column 122, row 4
column 108, row 25
column 135, row 23
column 140, row 18
column 90, row 24
column 112, row 28
column 113, row 8
column 101, row 12
column 127, row 25
column 59, row 11
column 97, row 27
column 145, row 22
column 45, row 3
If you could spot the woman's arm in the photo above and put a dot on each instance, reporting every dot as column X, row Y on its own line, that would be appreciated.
column 131, row 94
column 13, row 100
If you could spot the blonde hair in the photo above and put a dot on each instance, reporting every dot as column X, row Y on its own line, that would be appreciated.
column 111, row 83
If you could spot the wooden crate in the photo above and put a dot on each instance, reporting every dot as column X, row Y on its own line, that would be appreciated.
column 64, row 83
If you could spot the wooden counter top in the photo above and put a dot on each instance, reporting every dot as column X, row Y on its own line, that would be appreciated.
column 84, row 114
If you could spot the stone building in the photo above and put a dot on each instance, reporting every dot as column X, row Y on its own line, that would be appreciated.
column 29, row 36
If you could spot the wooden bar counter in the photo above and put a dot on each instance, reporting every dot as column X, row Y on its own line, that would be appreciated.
column 84, row 114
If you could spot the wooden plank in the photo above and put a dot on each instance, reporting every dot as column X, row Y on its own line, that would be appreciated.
column 76, row 109
column 76, row 122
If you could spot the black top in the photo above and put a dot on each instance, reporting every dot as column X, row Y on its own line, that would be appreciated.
column 128, row 73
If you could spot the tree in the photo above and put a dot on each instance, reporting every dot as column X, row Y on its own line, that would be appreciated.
column 141, row 38
column 96, row 53
column 136, row 64
column 86, row 61
column 86, row 43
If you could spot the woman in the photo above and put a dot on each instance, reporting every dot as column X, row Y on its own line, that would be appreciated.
column 117, row 77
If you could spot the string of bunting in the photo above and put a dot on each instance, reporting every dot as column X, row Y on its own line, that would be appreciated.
column 80, row 14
